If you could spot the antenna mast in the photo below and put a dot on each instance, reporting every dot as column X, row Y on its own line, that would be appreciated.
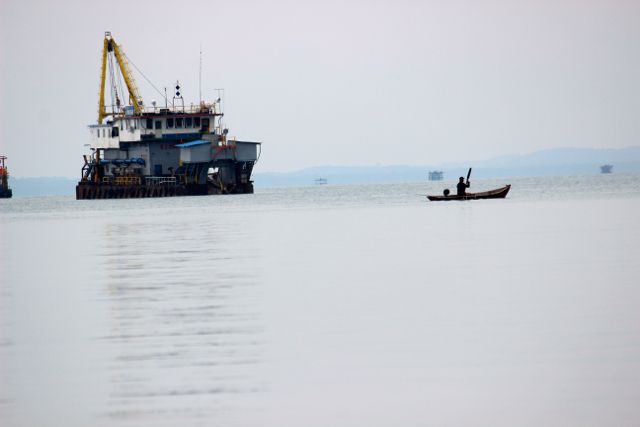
column 200, row 80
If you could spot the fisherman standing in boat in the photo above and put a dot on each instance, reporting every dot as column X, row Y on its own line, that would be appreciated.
column 462, row 187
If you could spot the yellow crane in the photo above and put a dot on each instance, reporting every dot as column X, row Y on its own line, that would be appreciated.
column 134, row 96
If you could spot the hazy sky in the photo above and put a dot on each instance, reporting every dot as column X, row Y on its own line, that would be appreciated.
column 333, row 82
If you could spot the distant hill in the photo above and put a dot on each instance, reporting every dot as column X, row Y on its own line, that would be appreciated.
column 556, row 161
column 558, row 157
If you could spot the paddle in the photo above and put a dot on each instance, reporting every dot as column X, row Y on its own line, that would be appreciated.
column 468, row 175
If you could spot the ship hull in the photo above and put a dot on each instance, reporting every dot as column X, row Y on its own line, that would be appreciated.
column 90, row 191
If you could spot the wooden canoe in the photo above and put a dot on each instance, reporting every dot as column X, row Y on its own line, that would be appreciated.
column 500, row 193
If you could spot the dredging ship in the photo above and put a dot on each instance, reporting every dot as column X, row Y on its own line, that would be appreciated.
column 5, row 190
column 175, row 150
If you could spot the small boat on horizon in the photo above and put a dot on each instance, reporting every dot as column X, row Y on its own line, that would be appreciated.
column 499, row 193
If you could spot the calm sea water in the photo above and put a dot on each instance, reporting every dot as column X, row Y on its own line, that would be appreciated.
column 354, row 305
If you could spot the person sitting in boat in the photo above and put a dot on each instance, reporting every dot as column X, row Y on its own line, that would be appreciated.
column 462, row 187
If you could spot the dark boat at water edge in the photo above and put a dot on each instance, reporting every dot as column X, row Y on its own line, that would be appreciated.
column 5, row 190
column 499, row 193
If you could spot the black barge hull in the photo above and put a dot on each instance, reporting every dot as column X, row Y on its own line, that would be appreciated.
column 91, row 191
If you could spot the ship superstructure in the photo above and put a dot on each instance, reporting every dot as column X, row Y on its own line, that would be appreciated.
column 169, row 150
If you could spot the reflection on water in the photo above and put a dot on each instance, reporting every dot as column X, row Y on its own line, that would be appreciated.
column 184, row 333
column 324, row 305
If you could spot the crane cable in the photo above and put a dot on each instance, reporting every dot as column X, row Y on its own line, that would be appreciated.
column 145, row 77
column 117, row 93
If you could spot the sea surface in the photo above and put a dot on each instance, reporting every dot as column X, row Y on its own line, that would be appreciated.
column 336, row 305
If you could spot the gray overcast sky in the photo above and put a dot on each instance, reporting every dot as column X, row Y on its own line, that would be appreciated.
column 333, row 82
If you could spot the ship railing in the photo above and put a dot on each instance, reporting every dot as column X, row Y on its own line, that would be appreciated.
column 121, row 180
column 182, row 109
column 161, row 180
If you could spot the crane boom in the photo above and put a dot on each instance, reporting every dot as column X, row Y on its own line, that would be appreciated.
column 134, row 95
column 101, row 111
